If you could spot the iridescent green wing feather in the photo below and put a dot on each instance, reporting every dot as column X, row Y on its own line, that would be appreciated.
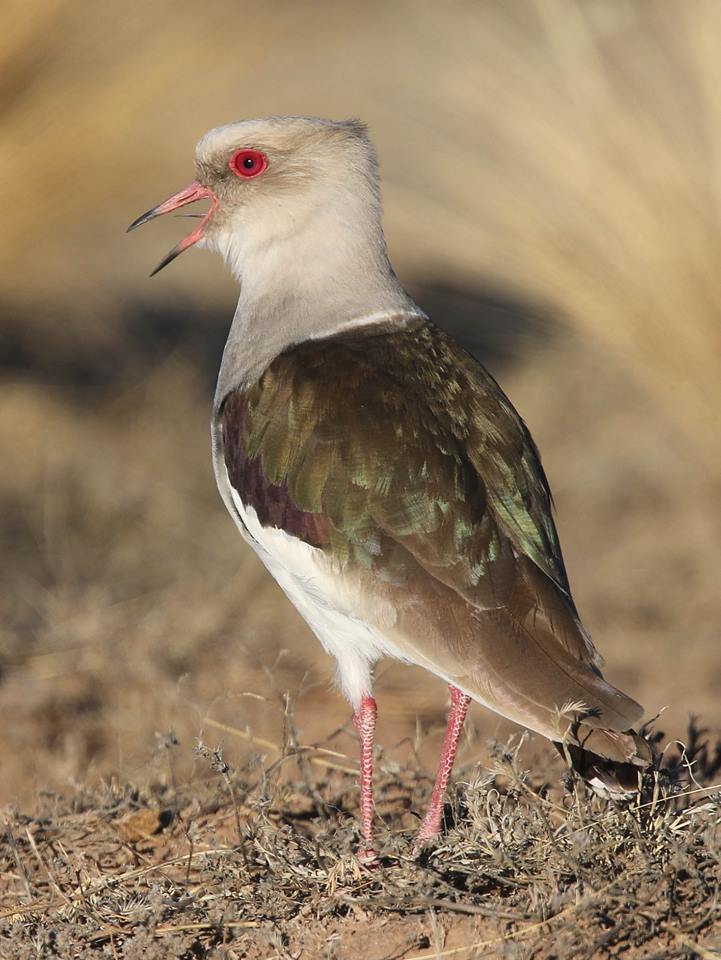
column 404, row 436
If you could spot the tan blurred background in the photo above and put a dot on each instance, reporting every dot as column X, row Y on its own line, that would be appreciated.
column 552, row 182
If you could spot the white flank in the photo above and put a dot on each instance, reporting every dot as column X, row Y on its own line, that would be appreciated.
column 323, row 598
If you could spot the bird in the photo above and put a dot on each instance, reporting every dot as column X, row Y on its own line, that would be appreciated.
column 379, row 471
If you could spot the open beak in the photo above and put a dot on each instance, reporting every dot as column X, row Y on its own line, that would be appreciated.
column 196, row 191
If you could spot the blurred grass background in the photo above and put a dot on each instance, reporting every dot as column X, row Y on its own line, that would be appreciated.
column 552, row 181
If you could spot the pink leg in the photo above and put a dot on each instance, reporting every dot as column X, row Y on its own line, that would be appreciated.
column 365, row 723
column 431, row 825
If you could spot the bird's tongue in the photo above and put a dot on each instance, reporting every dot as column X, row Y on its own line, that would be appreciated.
column 196, row 191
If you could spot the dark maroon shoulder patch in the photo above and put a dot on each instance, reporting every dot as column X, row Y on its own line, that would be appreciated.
column 271, row 501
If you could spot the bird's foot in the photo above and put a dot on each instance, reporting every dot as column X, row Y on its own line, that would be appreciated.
column 430, row 829
column 367, row 855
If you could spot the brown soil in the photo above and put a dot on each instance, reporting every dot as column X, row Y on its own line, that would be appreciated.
column 258, row 862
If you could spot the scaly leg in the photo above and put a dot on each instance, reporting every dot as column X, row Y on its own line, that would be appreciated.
column 431, row 825
column 365, row 723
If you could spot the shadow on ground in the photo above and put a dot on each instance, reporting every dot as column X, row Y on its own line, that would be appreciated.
column 496, row 327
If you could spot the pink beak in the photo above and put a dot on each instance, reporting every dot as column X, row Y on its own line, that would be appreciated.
column 196, row 191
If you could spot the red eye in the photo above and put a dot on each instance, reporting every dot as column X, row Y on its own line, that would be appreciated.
column 248, row 163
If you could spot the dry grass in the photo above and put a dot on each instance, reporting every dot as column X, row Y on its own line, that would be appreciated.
column 258, row 862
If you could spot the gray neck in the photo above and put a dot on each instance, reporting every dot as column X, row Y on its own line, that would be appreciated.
column 314, row 283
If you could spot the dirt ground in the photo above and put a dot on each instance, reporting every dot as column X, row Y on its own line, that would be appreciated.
column 258, row 863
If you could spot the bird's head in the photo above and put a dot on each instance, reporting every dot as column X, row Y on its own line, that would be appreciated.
column 278, row 178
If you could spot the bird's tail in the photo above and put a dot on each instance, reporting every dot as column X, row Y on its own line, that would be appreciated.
column 611, row 762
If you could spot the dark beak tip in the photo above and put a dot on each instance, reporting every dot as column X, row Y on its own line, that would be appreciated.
column 175, row 252
column 143, row 218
